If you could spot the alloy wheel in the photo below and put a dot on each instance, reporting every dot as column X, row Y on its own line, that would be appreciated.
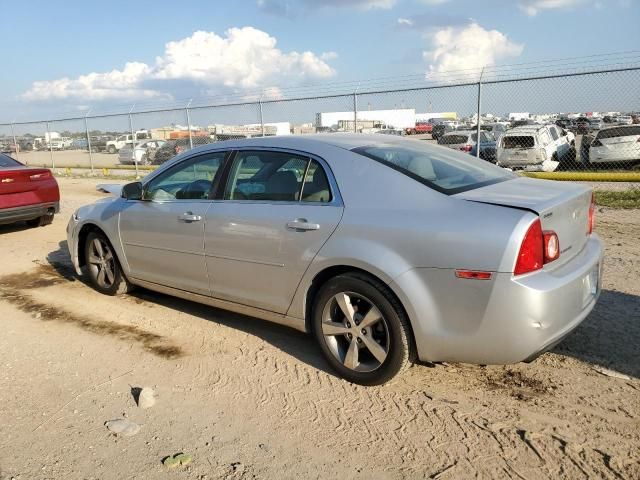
column 355, row 331
column 102, row 263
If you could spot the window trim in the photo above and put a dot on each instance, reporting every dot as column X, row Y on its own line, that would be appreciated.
column 336, row 197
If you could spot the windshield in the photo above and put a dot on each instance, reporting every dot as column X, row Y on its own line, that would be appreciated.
column 453, row 139
column 446, row 171
column 518, row 141
column 619, row 132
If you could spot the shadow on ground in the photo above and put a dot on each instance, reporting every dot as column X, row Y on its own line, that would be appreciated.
column 609, row 336
column 297, row 344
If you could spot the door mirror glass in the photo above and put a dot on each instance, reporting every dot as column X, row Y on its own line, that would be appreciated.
column 132, row 191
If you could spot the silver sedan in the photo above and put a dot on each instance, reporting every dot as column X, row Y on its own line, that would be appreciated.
column 387, row 250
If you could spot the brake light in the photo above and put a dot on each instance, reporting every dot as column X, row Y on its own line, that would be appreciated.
column 466, row 148
column 592, row 211
column 538, row 248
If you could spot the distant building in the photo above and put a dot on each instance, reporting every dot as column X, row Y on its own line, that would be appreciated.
column 425, row 117
column 397, row 118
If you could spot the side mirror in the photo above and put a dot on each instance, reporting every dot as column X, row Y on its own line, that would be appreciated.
column 132, row 191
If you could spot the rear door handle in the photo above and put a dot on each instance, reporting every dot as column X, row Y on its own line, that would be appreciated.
column 189, row 217
column 301, row 225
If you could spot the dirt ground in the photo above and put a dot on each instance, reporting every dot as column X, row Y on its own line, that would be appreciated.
column 248, row 399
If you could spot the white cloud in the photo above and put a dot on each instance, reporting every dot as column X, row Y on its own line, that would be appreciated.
column 468, row 47
column 533, row 7
column 405, row 21
column 244, row 58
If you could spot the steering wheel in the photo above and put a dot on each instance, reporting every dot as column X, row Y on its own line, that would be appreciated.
column 198, row 187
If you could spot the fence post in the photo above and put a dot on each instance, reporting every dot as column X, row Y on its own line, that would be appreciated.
column 133, row 141
column 86, row 127
column 15, row 144
column 189, row 123
column 479, row 106
column 355, row 111
column 261, row 117
column 48, row 139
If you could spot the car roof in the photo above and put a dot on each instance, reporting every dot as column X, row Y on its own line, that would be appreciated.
column 526, row 129
column 618, row 127
column 460, row 132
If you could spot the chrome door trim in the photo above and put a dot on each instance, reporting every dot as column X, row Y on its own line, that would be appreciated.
column 165, row 249
column 292, row 322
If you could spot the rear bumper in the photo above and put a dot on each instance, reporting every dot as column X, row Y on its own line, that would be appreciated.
column 27, row 212
column 503, row 320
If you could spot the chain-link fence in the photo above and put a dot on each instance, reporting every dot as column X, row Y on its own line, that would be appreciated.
column 578, row 121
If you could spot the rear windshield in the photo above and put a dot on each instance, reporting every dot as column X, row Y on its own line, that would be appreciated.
column 619, row 132
column 444, row 170
column 6, row 161
column 453, row 139
column 518, row 141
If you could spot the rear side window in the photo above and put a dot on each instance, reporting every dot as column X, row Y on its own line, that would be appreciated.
column 6, row 161
column 453, row 139
column 448, row 172
column 518, row 141
column 619, row 132
column 554, row 133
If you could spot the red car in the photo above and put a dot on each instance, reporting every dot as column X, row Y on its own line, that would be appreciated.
column 421, row 127
column 27, row 194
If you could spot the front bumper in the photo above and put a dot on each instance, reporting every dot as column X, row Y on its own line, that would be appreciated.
column 503, row 320
column 27, row 212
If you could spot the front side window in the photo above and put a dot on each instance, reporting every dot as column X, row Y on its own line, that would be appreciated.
column 446, row 171
column 189, row 180
column 267, row 176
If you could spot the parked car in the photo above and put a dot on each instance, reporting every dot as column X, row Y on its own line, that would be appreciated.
column 582, row 125
column 608, row 119
column 440, row 129
column 595, row 124
column 27, row 194
column 488, row 150
column 80, row 144
column 145, row 152
column 173, row 147
column 535, row 147
column 497, row 269
column 420, row 127
column 624, row 120
column 463, row 140
column 613, row 144
column 113, row 146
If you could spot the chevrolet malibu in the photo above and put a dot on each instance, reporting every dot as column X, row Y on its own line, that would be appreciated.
column 387, row 250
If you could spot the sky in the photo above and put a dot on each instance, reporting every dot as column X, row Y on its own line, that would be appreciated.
column 72, row 56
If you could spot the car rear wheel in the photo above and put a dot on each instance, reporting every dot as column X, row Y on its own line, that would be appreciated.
column 111, row 149
column 103, row 269
column 362, row 329
column 46, row 219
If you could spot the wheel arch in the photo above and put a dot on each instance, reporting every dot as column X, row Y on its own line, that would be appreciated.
column 82, row 240
column 329, row 272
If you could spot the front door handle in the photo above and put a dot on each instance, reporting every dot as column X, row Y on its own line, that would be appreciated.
column 302, row 225
column 189, row 217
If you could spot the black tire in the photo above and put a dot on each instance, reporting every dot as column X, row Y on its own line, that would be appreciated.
column 399, row 339
column 42, row 221
column 111, row 149
column 116, row 285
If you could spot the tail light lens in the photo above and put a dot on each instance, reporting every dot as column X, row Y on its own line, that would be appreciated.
column 466, row 148
column 537, row 249
column 592, row 211
column 40, row 176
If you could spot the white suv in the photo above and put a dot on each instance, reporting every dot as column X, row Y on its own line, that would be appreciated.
column 535, row 147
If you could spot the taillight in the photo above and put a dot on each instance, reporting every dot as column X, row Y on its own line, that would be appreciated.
column 40, row 176
column 466, row 148
column 592, row 211
column 537, row 249
column 531, row 254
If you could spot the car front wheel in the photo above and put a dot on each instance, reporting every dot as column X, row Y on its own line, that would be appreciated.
column 362, row 329
column 103, row 269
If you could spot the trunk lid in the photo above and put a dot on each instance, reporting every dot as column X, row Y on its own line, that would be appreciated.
column 26, row 186
column 562, row 207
